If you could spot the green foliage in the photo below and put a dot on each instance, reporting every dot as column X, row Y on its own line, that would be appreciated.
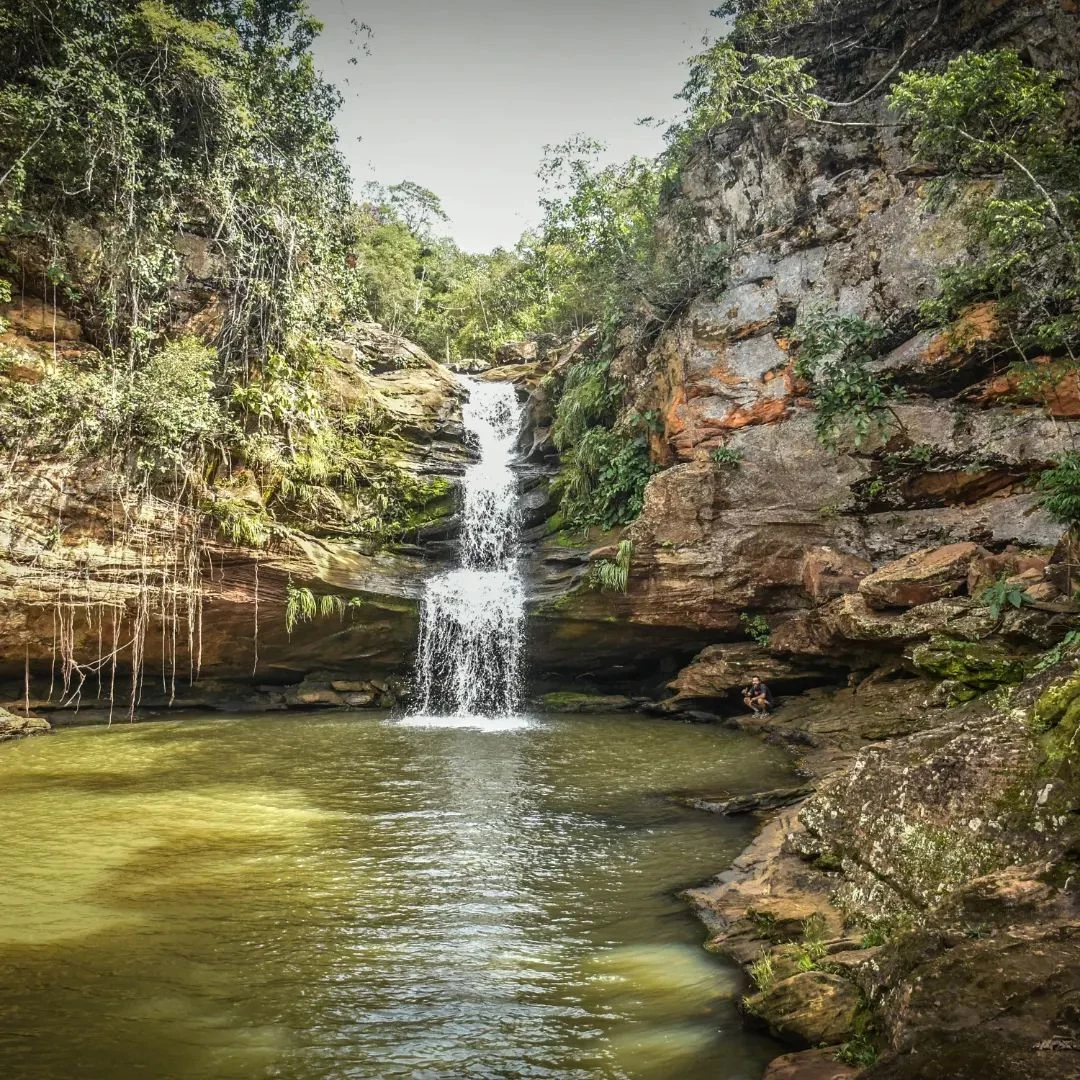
column 727, row 456
column 587, row 399
column 763, row 20
column 990, row 115
column 1003, row 595
column 762, row 972
column 239, row 522
column 859, row 1051
column 602, row 478
column 726, row 82
column 876, row 935
column 1060, row 487
column 835, row 352
column 613, row 575
column 757, row 629
column 1068, row 644
column 302, row 605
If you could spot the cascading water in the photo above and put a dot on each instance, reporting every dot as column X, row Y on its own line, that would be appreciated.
column 472, row 619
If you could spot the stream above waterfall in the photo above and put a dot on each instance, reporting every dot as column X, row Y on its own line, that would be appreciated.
column 335, row 895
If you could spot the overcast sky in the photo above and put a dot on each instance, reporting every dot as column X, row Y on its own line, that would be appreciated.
column 462, row 95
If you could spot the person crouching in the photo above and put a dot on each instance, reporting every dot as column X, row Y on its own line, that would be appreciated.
column 758, row 697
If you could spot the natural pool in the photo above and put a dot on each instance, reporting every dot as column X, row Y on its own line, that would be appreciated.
column 336, row 896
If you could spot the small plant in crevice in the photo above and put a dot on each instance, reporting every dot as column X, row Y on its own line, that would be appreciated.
column 613, row 575
column 1002, row 595
column 835, row 353
column 757, row 629
column 762, row 972
column 876, row 935
column 729, row 457
column 1068, row 644
column 811, row 949
column 859, row 1051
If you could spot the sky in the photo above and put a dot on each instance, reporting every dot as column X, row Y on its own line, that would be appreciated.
column 461, row 96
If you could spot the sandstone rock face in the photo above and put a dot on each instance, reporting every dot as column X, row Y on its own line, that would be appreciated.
column 79, row 556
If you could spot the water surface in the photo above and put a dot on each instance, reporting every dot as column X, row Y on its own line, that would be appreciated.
column 341, row 896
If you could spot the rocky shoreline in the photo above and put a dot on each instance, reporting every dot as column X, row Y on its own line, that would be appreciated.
column 912, row 915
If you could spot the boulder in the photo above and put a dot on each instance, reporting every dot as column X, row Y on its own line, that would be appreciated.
column 18, row 727
column 809, row 1065
column 517, row 352
column 814, row 1008
column 921, row 577
column 986, row 568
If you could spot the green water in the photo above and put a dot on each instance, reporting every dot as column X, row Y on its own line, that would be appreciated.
column 333, row 896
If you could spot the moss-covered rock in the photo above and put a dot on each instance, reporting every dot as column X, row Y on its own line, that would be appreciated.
column 812, row 1007
column 970, row 665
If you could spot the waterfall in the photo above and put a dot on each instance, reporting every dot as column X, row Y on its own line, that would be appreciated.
column 472, row 618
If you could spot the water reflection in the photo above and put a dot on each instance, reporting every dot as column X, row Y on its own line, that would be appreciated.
column 339, row 897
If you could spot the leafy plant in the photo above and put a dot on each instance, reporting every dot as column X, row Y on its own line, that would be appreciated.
column 729, row 457
column 859, row 1051
column 613, row 575
column 757, row 628
column 1002, row 595
column 990, row 114
column 763, row 972
column 835, row 352
column 300, row 606
column 1060, row 487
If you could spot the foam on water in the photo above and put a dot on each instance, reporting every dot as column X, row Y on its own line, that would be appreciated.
column 472, row 618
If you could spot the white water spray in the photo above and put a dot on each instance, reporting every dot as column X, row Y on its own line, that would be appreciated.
column 472, row 619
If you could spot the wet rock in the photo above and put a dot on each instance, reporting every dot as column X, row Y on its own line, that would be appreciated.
column 809, row 1065
column 567, row 702
column 734, row 805
column 18, row 727
column 920, row 578
column 813, row 1007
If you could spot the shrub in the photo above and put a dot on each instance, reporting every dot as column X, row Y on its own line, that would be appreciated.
column 834, row 356
column 757, row 629
column 1060, row 487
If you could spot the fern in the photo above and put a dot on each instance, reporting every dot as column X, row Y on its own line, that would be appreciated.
column 613, row 575
column 300, row 606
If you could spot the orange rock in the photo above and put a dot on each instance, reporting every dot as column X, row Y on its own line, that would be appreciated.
column 976, row 325
column 761, row 412
column 41, row 321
